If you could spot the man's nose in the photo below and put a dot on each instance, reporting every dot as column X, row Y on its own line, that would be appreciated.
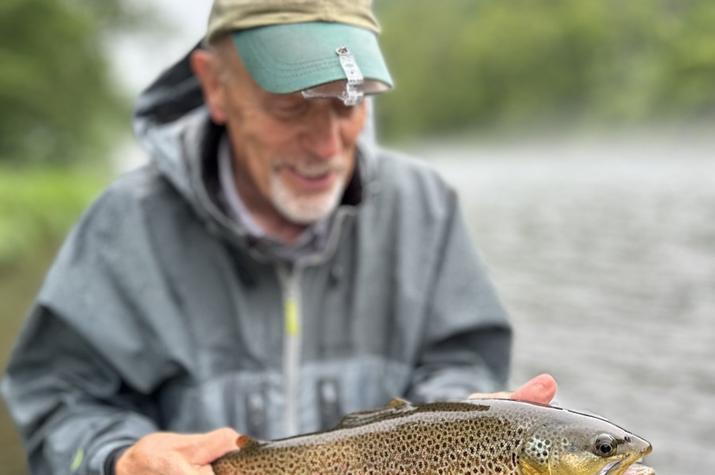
column 322, row 136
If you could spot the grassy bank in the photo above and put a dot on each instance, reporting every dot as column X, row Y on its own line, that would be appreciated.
column 18, row 285
column 37, row 207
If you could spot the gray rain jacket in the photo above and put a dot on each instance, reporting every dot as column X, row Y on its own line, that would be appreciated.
column 161, row 313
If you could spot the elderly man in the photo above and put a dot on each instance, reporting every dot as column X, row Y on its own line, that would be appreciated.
column 269, row 270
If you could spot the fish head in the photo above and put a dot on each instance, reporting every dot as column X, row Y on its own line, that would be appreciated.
column 571, row 443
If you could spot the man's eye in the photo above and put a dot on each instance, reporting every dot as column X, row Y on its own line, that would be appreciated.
column 341, row 109
column 291, row 109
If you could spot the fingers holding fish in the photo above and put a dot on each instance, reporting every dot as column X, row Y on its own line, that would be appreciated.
column 639, row 469
column 181, row 454
column 540, row 389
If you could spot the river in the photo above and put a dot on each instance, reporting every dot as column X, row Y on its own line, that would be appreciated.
column 604, row 254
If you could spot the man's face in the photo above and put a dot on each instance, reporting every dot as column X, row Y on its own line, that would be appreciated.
column 293, row 156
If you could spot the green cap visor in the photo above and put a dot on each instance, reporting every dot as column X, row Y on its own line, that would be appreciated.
column 299, row 56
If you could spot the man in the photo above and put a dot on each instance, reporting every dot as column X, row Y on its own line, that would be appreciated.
column 268, row 271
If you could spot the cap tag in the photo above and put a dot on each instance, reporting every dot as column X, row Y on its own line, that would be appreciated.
column 352, row 95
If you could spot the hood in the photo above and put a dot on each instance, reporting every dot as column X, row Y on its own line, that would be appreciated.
column 173, row 126
column 169, row 122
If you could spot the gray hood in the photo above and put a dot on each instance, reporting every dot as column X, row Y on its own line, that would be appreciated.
column 166, row 112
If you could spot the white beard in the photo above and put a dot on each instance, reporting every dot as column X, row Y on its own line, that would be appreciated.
column 307, row 209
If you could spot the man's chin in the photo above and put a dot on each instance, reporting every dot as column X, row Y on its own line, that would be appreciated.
column 305, row 215
column 306, row 209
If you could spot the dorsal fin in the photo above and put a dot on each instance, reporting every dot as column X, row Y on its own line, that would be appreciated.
column 399, row 404
column 395, row 407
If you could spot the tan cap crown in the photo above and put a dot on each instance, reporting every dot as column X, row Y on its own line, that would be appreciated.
column 232, row 15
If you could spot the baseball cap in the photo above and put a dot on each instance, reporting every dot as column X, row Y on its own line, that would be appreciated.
column 321, row 47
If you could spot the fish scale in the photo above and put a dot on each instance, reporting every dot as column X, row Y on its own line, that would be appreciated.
column 486, row 437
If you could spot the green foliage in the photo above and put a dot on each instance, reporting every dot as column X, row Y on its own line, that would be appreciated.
column 37, row 206
column 491, row 64
column 58, row 102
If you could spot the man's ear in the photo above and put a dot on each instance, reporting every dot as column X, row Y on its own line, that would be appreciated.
column 208, row 71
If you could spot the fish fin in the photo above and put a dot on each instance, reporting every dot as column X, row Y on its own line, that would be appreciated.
column 399, row 404
column 244, row 442
column 394, row 407
column 528, row 469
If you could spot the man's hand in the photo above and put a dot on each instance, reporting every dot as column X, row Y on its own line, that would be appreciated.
column 540, row 389
column 167, row 453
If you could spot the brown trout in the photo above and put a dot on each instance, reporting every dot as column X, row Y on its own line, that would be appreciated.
column 484, row 437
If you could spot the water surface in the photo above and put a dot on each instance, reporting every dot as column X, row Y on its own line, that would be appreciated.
column 604, row 254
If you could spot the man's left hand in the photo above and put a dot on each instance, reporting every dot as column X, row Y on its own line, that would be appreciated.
column 540, row 389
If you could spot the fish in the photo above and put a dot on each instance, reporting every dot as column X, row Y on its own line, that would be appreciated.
column 481, row 437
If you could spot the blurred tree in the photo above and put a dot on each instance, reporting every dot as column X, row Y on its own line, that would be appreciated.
column 58, row 102
column 486, row 64
column 687, row 86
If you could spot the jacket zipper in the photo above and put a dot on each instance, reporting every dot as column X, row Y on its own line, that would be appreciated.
column 290, row 280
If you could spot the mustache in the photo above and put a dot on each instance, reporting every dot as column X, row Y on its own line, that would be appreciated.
column 311, row 165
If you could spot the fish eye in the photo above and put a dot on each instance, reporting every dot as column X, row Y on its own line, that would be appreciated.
column 605, row 445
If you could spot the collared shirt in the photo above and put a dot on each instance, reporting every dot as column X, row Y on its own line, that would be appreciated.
column 311, row 240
